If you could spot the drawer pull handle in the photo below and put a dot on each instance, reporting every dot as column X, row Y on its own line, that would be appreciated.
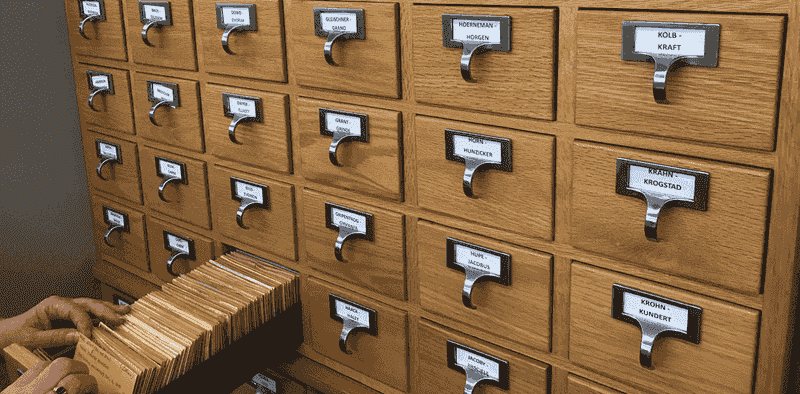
column 90, row 18
column 479, row 367
column 477, row 152
column 146, row 28
column 243, row 207
column 153, row 111
column 164, row 184
column 171, row 260
column 338, row 138
column 466, row 58
column 350, row 31
column 345, row 233
column 347, row 328
column 350, row 223
column 178, row 246
column 329, row 46
column 238, row 118
column 478, row 264
column 226, row 35
column 469, row 282
column 108, row 160
column 471, row 166
column 110, row 231
column 249, row 194
column 354, row 318
column 343, row 126
column 95, row 93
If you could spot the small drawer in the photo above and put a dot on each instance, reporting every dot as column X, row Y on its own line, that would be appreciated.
column 175, row 249
column 366, row 157
column 511, row 293
column 112, row 166
column 102, row 27
column 445, row 357
column 380, row 352
column 256, row 51
column 320, row 379
column 108, row 90
column 261, row 140
column 368, row 65
column 254, row 210
column 722, row 361
column 174, row 122
column 578, row 385
column 512, row 192
column 176, row 186
column 375, row 260
column 518, row 79
column 115, row 296
column 723, row 245
column 734, row 103
column 169, row 33
column 119, row 232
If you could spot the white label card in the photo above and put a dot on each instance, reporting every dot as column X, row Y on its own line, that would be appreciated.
column 264, row 381
column 250, row 192
column 476, row 259
column 242, row 106
column 348, row 311
column 476, row 30
column 662, row 182
column 107, row 150
column 100, row 81
column 162, row 92
column 684, row 42
column 350, row 125
column 170, row 169
column 477, row 148
column 115, row 218
column 348, row 219
column 91, row 7
column 654, row 311
column 474, row 362
column 155, row 13
column 178, row 243
column 339, row 22
column 235, row 16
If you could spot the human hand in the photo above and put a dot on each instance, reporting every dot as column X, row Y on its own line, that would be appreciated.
column 46, row 376
column 33, row 328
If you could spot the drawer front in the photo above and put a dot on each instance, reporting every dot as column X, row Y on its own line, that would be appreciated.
column 190, row 249
column 722, row 361
column 256, row 53
column 515, row 305
column 126, row 243
column 172, row 46
column 185, row 201
column 501, row 78
column 269, row 224
column 119, row 173
column 264, row 143
column 104, row 38
column 112, row 111
column 180, row 126
column 114, row 296
column 519, row 201
column 369, row 66
column 436, row 375
column 377, row 264
column 320, row 379
column 382, row 354
column 372, row 165
column 735, row 103
column 578, row 385
column 725, row 243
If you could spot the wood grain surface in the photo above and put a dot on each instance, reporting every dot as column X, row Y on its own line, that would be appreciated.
column 136, row 285
column 115, row 110
column 722, row 362
column 108, row 293
column 723, row 245
column 180, row 126
column 106, row 38
column 122, row 178
column 203, row 249
column 520, row 201
column 373, row 167
column 377, row 265
column 734, row 104
column 264, row 144
column 173, row 46
column 273, row 229
column 187, row 202
column 519, row 82
column 434, row 375
column 129, row 247
column 369, row 66
column 519, row 312
column 320, row 379
column 257, row 54
column 383, row 356
column 578, row 385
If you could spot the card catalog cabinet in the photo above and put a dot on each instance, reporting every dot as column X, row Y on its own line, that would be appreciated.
column 566, row 197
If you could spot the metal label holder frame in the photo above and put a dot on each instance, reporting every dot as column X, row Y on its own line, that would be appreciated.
column 348, row 325
column 90, row 18
column 184, row 179
column 472, row 48
column 348, row 233
column 246, row 203
column 474, row 379
column 106, row 159
column 339, row 138
column 652, row 332
column 174, row 103
column 656, row 203
column 473, row 165
column 125, row 228
column 258, row 117
column 472, row 275
column 232, row 28
column 175, row 252
column 360, row 34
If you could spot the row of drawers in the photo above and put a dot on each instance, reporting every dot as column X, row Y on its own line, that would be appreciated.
column 734, row 104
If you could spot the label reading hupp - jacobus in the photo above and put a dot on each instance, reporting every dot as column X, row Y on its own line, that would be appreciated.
column 656, row 311
column 353, row 313
column 476, row 259
column 155, row 13
column 341, row 218
column 663, row 182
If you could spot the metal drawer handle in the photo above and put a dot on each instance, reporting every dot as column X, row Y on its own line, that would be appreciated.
column 348, row 327
column 171, row 260
column 471, row 166
column 109, row 160
column 163, row 185
column 338, row 138
column 111, row 230
column 146, row 28
column 94, row 93
column 329, row 47
column 246, row 203
column 227, row 33
column 471, row 49
column 345, row 233
column 90, row 18
column 238, row 118
column 153, row 111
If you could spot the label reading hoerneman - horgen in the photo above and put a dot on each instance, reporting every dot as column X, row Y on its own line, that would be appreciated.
column 476, row 30
column 662, row 182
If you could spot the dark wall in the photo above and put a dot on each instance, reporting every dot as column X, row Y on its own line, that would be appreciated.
column 46, row 241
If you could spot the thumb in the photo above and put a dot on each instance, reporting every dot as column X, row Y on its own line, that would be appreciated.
column 31, row 373
column 52, row 338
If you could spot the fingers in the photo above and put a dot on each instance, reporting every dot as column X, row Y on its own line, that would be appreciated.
column 79, row 384
column 52, row 338
column 106, row 311
column 58, row 370
column 32, row 373
column 63, row 308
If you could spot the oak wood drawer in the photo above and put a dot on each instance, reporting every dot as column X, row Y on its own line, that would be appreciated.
column 320, row 379
column 104, row 38
column 112, row 111
column 114, row 296
column 180, row 126
column 127, row 242
column 120, row 175
column 578, row 385
column 172, row 46
column 191, row 249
